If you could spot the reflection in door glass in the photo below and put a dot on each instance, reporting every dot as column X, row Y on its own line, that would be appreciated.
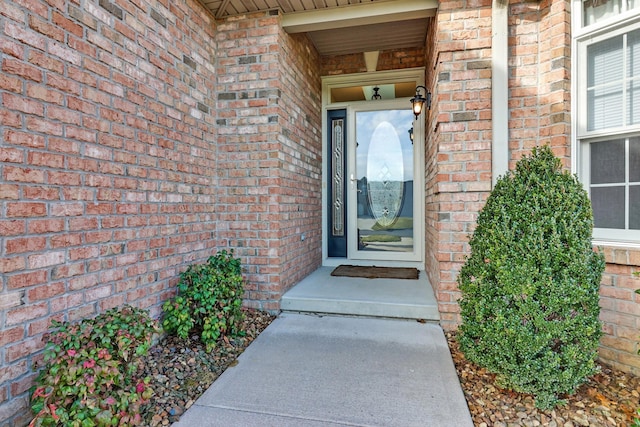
column 384, row 168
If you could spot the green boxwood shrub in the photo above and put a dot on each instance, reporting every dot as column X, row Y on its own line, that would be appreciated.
column 209, row 300
column 530, row 286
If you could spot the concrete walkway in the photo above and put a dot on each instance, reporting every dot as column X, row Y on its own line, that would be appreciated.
column 309, row 370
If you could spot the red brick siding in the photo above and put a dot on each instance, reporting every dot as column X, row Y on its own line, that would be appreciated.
column 301, row 173
column 269, row 141
column 539, row 113
column 394, row 59
column 620, row 309
column 136, row 145
column 432, row 208
column 398, row 59
column 459, row 143
column 343, row 64
column 108, row 173
column 555, row 74
column 539, row 80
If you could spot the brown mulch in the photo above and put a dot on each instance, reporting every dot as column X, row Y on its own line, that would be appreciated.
column 610, row 398
column 181, row 370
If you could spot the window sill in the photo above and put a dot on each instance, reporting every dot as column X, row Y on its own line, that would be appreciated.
column 619, row 253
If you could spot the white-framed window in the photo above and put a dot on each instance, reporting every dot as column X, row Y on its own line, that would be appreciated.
column 606, row 83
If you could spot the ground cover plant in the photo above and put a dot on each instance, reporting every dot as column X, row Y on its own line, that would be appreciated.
column 209, row 300
column 89, row 378
column 530, row 286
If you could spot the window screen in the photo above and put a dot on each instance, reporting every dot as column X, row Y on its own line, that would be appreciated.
column 607, row 162
column 634, row 207
column 615, row 183
column 607, row 114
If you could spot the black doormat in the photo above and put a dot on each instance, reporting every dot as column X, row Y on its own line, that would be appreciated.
column 376, row 272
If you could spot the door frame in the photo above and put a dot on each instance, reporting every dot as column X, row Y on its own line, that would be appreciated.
column 415, row 75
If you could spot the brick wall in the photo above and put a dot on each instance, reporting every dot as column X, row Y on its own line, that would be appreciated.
column 459, row 136
column 269, row 140
column 539, row 78
column 525, row 100
column 620, row 309
column 300, row 204
column 139, row 137
column 394, row 59
column 541, row 114
column 343, row 64
column 459, row 140
column 432, row 266
column 108, row 173
column 555, row 74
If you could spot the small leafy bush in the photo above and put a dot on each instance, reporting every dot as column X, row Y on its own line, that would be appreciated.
column 209, row 299
column 89, row 374
column 530, row 286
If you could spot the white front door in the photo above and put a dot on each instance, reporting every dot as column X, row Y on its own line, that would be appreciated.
column 382, row 213
column 374, row 173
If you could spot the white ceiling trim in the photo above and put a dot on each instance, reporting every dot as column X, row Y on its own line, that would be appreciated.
column 360, row 14
column 371, row 60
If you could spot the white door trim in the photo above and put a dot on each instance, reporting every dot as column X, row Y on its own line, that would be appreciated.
column 386, row 77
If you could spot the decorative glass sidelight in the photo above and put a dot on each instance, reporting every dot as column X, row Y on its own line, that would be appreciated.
column 337, row 176
column 384, row 171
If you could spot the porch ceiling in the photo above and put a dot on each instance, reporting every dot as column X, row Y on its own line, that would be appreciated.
column 344, row 26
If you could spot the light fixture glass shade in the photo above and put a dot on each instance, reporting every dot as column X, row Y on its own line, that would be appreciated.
column 418, row 101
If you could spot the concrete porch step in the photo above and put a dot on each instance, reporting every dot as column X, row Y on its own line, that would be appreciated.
column 394, row 298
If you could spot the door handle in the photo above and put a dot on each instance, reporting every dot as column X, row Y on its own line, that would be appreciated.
column 353, row 179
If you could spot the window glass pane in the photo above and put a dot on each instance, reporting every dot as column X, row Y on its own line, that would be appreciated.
column 607, row 162
column 598, row 10
column 633, row 100
column 634, row 159
column 608, row 207
column 633, row 74
column 605, row 77
column 605, row 107
column 604, row 61
column 385, row 176
column 634, row 207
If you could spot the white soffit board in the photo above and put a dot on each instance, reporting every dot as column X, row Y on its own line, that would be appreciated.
column 225, row 8
column 358, row 15
column 364, row 38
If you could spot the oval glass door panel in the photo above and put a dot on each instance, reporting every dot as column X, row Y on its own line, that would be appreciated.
column 385, row 180
column 385, row 174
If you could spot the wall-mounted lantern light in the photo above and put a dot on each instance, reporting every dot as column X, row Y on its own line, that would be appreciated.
column 418, row 101
column 411, row 135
